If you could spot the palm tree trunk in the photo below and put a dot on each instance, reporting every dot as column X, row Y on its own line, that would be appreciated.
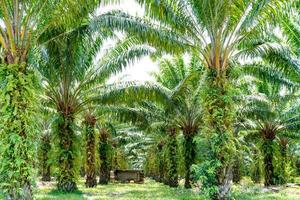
column 268, row 162
column 189, row 157
column 283, row 161
column 90, row 122
column 17, row 134
column 172, row 156
column 66, row 180
column 236, row 170
column 82, row 170
column 160, row 161
column 46, row 174
column 45, row 148
column 256, row 167
column 218, row 119
column 103, row 153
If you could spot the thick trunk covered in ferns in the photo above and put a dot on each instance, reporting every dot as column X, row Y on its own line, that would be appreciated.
column 45, row 166
column 219, row 113
column 160, row 161
column 172, row 179
column 189, row 155
column 283, row 175
column 268, row 162
column 103, row 154
column 17, row 133
column 90, row 122
column 236, row 170
column 66, row 180
column 255, row 172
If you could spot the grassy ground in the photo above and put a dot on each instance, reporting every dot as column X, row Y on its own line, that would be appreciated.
column 151, row 190
column 148, row 190
column 250, row 191
column 256, row 193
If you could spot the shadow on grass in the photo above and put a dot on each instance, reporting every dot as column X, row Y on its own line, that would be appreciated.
column 55, row 194
column 59, row 192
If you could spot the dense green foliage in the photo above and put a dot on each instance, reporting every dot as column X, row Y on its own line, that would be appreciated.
column 218, row 33
column 18, row 130
column 218, row 119
column 223, row 105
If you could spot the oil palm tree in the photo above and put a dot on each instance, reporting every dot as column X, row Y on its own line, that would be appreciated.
column 271, row 117
column 77, row 84
column 22, row 23
column 89, row 126
column 188, row 113
column 281, row 67
column 217, row 32
column 176, row 109
column 45, row 145
column 104, row 151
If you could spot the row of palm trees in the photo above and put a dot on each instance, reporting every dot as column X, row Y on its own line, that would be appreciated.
column 61, row 40
column 268, row 114
column 218, row 33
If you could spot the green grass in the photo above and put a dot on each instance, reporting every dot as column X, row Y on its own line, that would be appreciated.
column 149, row 190
column 284, row 194
column 250, row 191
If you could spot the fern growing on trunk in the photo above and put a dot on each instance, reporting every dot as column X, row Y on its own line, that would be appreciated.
column 18, row 133
column 172, row 158
column 90, row 122
column 103, row 155
column 45, row 147
column 218, row 120
column 67, row 153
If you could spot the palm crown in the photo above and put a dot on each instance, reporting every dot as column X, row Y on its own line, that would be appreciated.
column 215, row 31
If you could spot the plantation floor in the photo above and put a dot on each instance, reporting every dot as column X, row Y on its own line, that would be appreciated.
column 247, row 190
column 151, row 190
column 148, row 190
